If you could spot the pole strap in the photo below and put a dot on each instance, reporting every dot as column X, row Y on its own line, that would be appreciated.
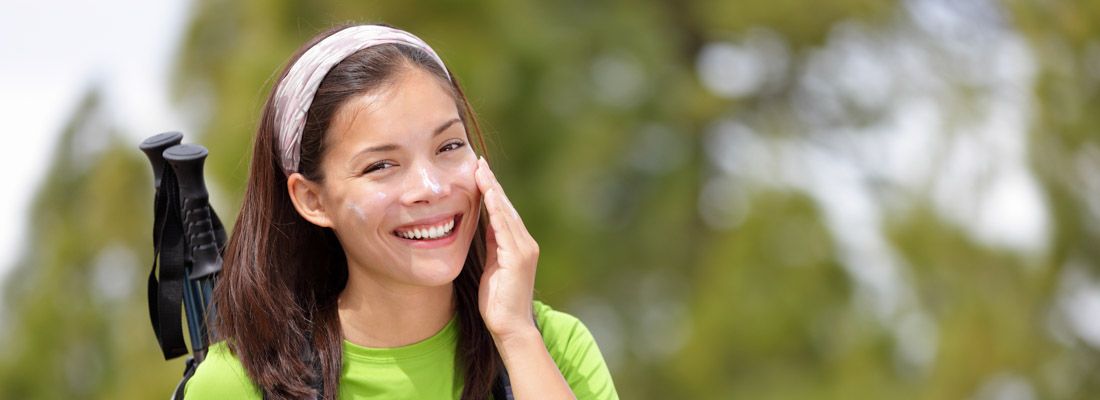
column 166, row 294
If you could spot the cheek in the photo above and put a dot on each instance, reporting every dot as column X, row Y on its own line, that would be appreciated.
column 463, row 175
column 369, row 205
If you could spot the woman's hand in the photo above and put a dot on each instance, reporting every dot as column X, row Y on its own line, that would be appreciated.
column 506, row 293
column 508, row 281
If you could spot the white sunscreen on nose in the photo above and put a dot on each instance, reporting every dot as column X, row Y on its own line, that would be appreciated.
column 428, row 181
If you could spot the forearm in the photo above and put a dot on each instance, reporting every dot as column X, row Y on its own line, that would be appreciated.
column 532, row 371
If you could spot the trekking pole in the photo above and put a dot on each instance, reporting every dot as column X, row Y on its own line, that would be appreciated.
column 201, row 235
column 154, row 147
column 187, row 240
column 168, row 246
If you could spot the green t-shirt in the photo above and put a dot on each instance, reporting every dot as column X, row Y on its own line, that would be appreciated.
column 423, row 370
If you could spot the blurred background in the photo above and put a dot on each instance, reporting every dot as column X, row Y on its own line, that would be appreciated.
column 852, row 199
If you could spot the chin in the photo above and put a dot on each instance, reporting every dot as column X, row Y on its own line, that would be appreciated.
column 435, row 272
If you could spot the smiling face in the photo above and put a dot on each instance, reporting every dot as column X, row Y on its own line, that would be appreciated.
column 398, row 186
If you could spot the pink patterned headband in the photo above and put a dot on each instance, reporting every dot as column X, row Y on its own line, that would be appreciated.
column 295, row 93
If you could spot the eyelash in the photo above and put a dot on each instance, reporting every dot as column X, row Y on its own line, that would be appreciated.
column 458, row 144
column 377, row 166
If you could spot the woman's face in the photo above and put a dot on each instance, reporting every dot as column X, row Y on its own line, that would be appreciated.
column 399, row 165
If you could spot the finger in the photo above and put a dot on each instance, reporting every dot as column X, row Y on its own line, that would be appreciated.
column 501, row 225
column 495, row 199
column 490, row 181
column 490, row 246
column 484, row 182
column 497, row 213
column 519, row 230
column 515, row 221
column 503, row 206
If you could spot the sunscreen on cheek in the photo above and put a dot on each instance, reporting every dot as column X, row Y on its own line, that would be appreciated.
column 375, row 202
column 358, row 211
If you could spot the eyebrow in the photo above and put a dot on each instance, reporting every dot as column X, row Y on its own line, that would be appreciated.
column 392, row 147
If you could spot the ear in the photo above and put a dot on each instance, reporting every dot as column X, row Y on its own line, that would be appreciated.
column 306, row 196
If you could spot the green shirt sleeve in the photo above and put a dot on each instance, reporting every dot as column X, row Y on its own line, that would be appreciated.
column 574, row 350
column 220, row 376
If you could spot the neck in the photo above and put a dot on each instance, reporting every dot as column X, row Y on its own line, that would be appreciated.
column 388, row 314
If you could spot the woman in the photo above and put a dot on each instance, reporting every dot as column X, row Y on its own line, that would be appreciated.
column 363, row 265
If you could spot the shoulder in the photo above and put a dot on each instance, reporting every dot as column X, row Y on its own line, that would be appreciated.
column 220, row 376
column 576, row 353
column 560, row 330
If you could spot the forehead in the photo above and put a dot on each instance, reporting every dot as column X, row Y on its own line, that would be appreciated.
column 405, row 110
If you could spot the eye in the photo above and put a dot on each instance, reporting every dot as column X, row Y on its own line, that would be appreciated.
column 455, row 145
column 377, row 166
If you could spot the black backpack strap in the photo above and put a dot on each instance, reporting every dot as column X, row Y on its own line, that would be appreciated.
column 166, row 295
column 502, row 388
column 318, row 381
column 187, row 374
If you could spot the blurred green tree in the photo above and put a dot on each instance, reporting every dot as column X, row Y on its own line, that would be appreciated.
column 714, row 185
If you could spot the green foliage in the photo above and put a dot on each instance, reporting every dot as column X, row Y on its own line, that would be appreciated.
column 602, row 130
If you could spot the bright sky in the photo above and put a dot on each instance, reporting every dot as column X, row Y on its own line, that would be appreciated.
column 52, row 51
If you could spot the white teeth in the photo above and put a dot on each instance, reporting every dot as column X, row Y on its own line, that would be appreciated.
column 434, row 232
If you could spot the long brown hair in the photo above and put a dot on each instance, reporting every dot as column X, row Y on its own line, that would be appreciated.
column 276, row 299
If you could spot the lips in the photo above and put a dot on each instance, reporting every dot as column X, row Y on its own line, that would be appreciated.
column 428, row 223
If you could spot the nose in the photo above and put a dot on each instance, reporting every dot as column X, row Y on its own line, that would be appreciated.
column 425, row 184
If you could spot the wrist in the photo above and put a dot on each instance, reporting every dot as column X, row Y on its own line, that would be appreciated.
column 511, row 326
column 517, row 340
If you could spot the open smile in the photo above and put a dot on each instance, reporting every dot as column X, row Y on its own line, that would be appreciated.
column 437, row 233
